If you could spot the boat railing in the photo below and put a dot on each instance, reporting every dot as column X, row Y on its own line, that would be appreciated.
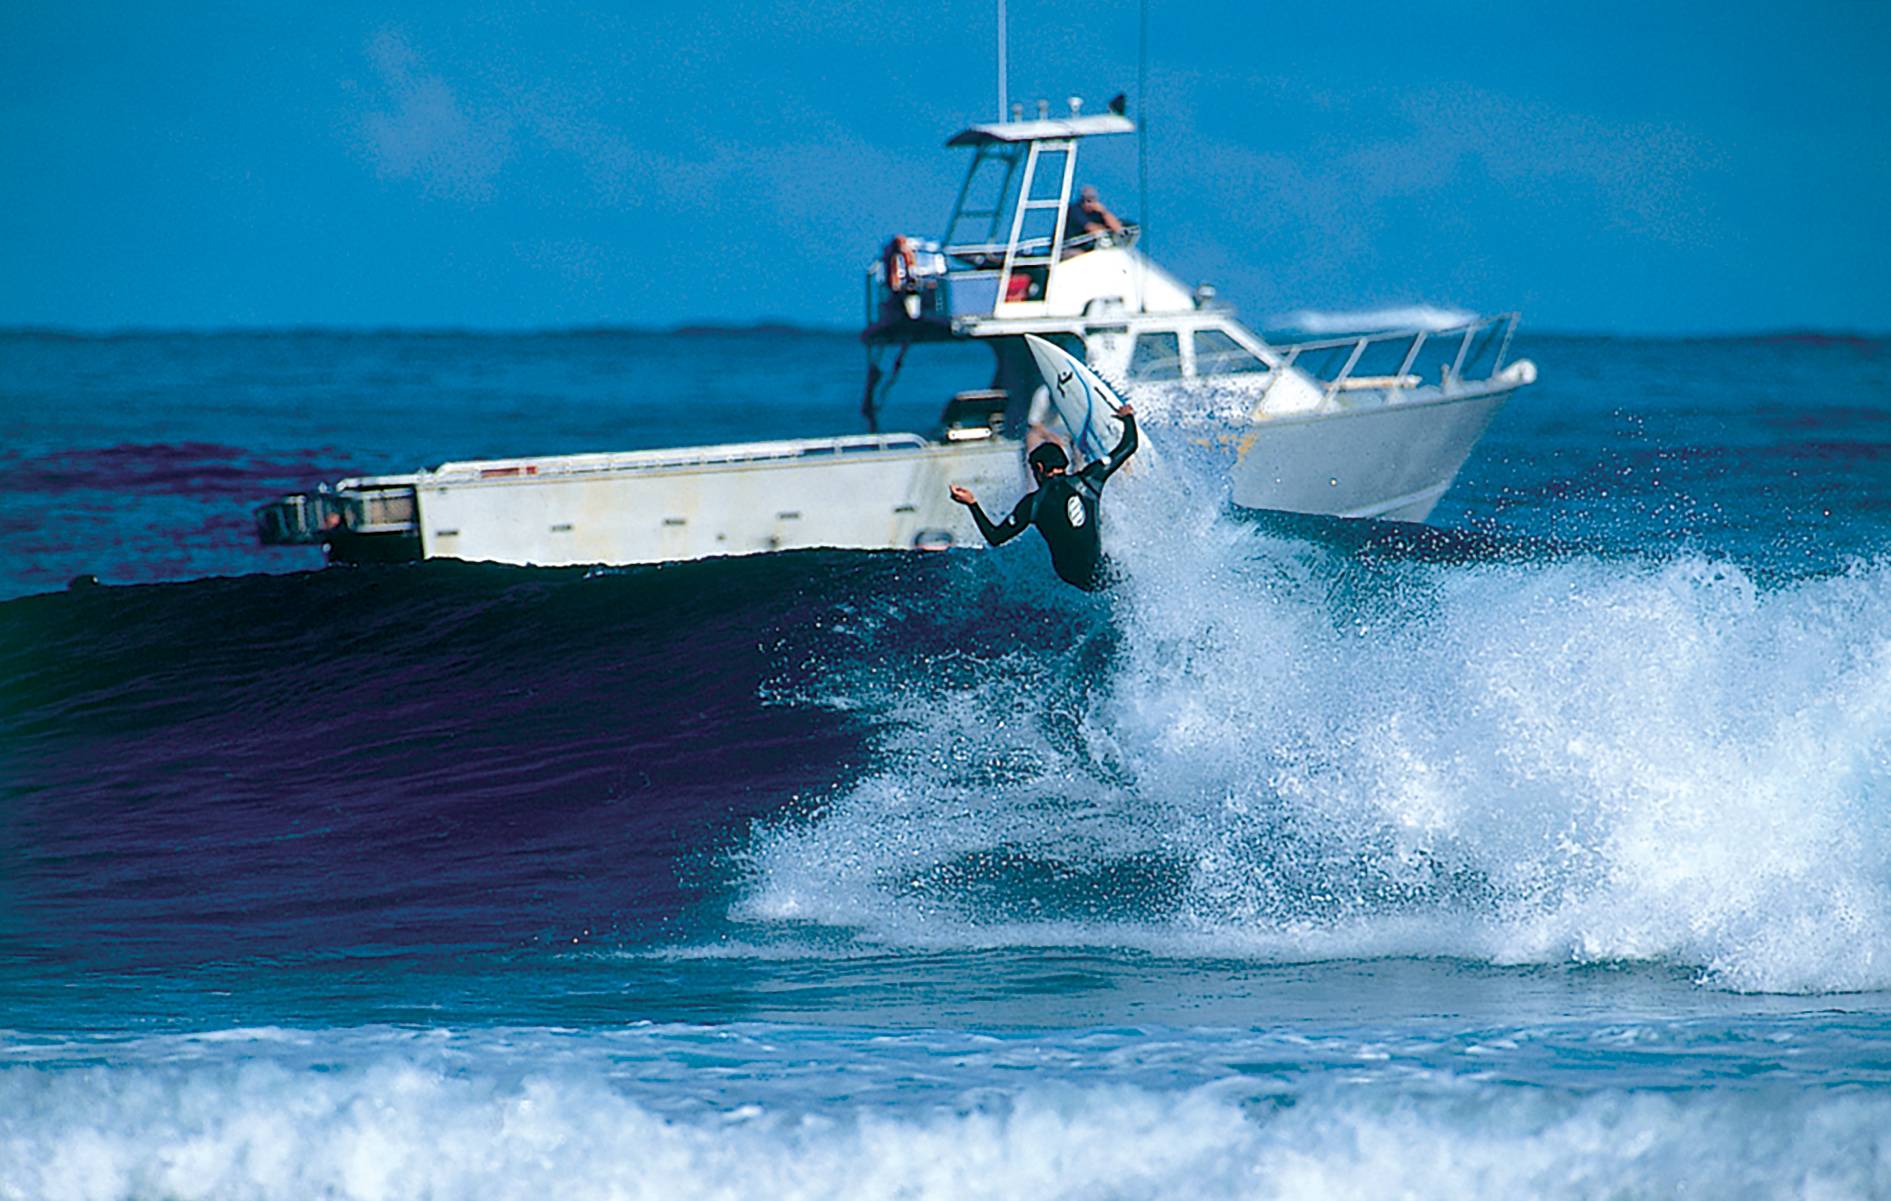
column 733, row 454
column 981, row 255
column 964, row 279
column 1402, row 359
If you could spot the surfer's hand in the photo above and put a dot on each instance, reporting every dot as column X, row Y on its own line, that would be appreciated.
column 1125, row 410
column 963, row 495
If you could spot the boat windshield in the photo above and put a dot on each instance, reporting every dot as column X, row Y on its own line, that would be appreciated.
column 1157, row 356
column 1217, row 353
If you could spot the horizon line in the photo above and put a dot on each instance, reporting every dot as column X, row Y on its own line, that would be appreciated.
column 693, row 328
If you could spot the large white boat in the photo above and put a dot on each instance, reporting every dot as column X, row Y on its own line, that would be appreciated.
column 1371, row 426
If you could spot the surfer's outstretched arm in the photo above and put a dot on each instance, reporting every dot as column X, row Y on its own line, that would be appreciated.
column 1106, row 466
column 996, row 532
column 1000, row 533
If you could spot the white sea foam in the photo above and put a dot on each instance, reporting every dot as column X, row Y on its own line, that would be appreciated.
column 1301, row 754
column 1357, row 321
column 379, row 1125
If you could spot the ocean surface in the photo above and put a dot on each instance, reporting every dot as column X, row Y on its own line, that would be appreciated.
column 1544, row 851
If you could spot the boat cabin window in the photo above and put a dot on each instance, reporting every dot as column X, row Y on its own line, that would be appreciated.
column 1156, row 356
column 1216, row 353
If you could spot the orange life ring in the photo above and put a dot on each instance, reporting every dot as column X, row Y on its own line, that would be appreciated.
column 898, row 264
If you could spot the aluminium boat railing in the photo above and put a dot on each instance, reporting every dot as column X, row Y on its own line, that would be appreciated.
column 1390, row 361
column 962, row 280
column 980, row 255
column 1458, row 353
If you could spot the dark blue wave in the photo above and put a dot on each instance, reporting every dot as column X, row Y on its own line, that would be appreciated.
column 445, row 753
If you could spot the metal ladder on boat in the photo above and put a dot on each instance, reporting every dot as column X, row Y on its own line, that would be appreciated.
column 1015, row 258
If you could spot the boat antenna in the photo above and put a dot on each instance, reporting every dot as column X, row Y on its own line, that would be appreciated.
column 1003, row 106
column 1142, row 146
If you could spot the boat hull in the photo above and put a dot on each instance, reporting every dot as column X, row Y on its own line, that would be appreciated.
column 1391, row 461
column 540, row 514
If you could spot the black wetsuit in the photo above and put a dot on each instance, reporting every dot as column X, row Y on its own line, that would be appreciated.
column 1065, row 509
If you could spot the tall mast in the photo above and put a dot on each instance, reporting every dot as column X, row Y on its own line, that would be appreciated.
column 1003, row 99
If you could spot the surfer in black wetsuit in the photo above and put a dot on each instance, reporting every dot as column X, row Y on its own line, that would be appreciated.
column 1063, row 507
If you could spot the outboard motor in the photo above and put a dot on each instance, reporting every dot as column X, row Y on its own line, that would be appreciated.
column 302, row 519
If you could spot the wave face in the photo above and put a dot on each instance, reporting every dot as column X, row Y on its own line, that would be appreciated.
column 1259, row 745
column 443, row 757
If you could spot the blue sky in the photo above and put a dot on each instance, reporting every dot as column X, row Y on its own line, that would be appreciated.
column 1645, row 167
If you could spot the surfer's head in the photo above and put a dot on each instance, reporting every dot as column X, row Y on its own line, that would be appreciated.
column 1048, row 459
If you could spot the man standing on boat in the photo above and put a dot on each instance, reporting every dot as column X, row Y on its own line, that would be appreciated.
column 1065, row 508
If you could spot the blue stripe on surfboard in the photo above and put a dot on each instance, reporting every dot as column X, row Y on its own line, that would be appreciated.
column 1084, row 440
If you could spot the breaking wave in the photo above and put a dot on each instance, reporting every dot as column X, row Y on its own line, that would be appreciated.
column 1280, row 739
column 1285, row 748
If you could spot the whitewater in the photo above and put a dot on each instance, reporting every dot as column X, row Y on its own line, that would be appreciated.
column 1580, row 761
column 1543, row 852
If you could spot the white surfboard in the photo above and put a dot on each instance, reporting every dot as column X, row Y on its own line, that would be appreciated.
column 1086, row 405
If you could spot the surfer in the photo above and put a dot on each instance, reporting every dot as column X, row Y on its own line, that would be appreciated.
column 1063, row 507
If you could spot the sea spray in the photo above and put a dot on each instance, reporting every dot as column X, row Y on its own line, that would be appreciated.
column 1273, row 746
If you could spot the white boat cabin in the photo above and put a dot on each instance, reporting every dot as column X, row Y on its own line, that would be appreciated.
column 1012, row 262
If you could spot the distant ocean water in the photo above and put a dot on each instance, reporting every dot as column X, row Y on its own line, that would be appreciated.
column 1545, row 851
